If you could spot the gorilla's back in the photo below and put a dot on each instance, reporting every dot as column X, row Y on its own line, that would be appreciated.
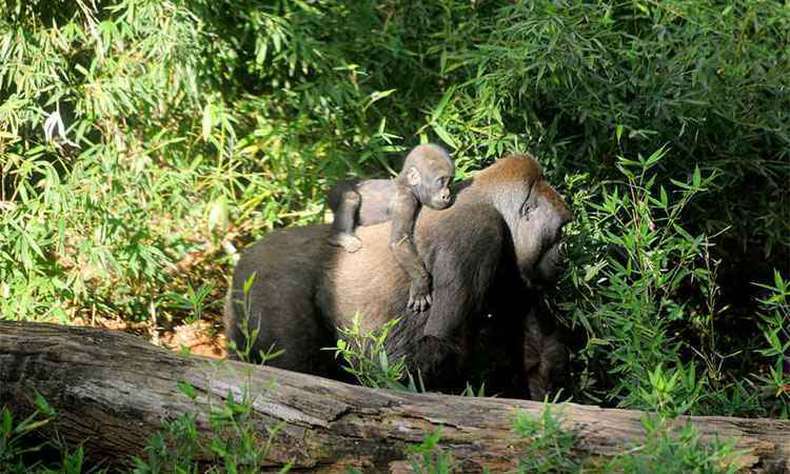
column 367, row 282
column 303, row 287
column 281, row 272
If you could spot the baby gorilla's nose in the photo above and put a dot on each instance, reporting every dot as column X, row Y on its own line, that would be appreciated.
column 442, row 200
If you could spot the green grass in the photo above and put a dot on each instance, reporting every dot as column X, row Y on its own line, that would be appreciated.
column 234, row 442
column 667, row 450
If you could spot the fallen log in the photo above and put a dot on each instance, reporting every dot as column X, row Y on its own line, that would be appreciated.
column 115, row 390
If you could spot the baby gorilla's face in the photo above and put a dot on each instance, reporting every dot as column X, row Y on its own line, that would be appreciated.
column 436, row 191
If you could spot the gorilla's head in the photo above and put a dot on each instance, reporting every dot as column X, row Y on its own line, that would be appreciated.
column 534, row 213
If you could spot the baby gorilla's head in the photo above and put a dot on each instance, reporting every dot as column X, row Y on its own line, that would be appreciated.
column 428, row 171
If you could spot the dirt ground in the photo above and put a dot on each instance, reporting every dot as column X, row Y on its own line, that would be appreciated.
column 202, row 338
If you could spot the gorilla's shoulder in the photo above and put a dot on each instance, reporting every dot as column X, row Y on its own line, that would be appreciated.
column 293, row 247
column 297, row 236
column 467, row 217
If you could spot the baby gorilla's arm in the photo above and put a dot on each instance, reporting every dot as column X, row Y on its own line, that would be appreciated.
column 404, row 208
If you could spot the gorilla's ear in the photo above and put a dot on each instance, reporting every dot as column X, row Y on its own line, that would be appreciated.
column 528, row 204
column 413, row 176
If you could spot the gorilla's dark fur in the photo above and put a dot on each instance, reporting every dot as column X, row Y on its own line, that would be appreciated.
column 499, row 239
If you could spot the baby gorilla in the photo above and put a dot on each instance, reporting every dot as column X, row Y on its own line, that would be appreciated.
column 423, row 181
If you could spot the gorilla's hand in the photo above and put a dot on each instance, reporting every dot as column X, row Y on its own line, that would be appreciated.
column 430, row 353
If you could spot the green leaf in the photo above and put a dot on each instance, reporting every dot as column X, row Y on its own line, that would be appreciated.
column 444, row 135
column 249, row 282
column 7, row 422
column 377, row 96
column 439, row 109
column 187, row 389
column 207, row 122
column 383, row 361
column 591, row 271
column 218, row 215
column 43, row 406
column 664, row 198
column 655, row 157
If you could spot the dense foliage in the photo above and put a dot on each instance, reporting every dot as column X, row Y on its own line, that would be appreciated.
column 139, row 138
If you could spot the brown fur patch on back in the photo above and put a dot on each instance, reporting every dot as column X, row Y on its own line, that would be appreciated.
column 512, row 168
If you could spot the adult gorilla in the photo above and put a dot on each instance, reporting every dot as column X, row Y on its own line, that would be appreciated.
column 500, row 238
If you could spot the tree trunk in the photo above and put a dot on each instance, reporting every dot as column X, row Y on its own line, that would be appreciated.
column 114, row 390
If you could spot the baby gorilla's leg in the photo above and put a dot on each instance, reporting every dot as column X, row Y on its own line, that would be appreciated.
column 349, row 242
column 345, row 221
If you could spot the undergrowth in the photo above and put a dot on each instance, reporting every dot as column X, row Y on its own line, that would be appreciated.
column 235, row 443
column 142, row 143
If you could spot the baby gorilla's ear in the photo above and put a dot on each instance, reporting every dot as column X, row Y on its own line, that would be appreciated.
column 413, row 176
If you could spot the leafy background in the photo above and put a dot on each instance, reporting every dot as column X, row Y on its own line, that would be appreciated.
column 190, row 128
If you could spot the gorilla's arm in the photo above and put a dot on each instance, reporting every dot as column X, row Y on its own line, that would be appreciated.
column 467, row 254
column 463, row 255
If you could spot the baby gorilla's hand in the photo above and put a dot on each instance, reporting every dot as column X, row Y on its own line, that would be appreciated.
column 420, row 294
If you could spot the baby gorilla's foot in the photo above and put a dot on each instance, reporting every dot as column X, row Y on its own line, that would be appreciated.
column 420, row 295
column 349, row 242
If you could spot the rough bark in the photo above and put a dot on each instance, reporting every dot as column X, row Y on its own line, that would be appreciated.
column 114, row 390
